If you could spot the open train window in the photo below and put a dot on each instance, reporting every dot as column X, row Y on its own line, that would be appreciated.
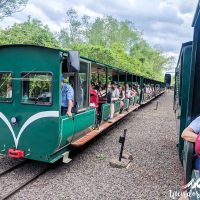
column 5, row 87
column 36, row 88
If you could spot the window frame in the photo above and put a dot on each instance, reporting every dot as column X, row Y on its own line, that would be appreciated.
column 12, row 76
column 51, row 90
column 79, row 110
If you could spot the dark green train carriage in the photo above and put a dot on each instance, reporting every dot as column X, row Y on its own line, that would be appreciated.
column 187, row 103
column 31, row 124
column 31, row 118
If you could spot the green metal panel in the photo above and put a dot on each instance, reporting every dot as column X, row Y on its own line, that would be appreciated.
column 141, row 89
column 106, row 85
column 105, row 111
column 135, row 99
column 67, row 130
column 193, row 103
column 84, row 120
column 185, row 79
column 125, row 104
column 18, row 59
column 117, row 106
column 131, row 101
column 39, row 139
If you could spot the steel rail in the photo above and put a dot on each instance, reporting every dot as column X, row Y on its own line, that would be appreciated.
column 15, row 190
column 13, row 168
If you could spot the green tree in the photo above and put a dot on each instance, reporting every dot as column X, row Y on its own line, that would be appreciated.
column 74, row 26
column 8, row 7
column 30, row 32
column 113, row 42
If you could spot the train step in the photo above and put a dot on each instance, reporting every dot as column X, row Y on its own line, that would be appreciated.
column 83, row 140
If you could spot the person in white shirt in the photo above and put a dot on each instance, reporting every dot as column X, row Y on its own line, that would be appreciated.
column 114, row 97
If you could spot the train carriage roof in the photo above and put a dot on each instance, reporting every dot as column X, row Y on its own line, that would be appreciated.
column 196, row 20
column 95, row 63
column 186, row 44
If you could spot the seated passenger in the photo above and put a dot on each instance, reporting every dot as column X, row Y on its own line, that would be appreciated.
column 114, row 92
column 67, row 98
column 191, row 134
column 148, row 91
column 94, row 99
column 121, row 97
column 134, row 91
column 128, row 91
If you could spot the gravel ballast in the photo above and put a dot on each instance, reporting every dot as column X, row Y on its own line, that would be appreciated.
column 154, row 171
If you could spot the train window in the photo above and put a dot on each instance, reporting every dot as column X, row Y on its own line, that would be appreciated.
column 36, row 88
column 83, row 89
column 5, row 87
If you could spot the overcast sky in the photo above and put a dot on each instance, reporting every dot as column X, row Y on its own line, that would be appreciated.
column 165, row 23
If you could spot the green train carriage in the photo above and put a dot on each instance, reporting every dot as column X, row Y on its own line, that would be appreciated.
column 187, row 103
column 181, row 95
column 34, row 123
column 31, row 124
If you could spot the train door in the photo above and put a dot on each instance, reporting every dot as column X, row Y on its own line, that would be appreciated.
column 84, row 117
column 67, row 123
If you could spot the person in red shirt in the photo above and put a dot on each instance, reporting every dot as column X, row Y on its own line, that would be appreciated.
column 94, row 99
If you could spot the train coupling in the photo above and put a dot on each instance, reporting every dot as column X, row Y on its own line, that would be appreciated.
column 15, row 153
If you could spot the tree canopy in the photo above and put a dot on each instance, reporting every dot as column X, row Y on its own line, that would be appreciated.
column 107, row 40
column 8, row 7
column 30, row 32
column 113, row 42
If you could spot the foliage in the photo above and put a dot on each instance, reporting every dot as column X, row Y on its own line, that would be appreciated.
column 113, row 42
column 105, row 39
column 5, row 79
column 38, row 84
column 8, row 7
column 101, row 157
column 30, row 32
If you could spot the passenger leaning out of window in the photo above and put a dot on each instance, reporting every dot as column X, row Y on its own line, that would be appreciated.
column 114, row 93
column 67, row 97
column 191, row 134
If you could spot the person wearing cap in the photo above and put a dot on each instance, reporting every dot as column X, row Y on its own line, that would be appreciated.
column 67, row 98
column 114, row 91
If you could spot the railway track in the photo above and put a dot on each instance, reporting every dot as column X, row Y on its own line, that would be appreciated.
column 12, row 168
column 6, row 194
column 10, row 190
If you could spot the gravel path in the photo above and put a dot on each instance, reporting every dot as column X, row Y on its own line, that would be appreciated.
column 14, row 179
column 155, row 169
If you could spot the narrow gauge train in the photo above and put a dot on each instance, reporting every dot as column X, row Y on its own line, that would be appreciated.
column 187, row 102
column 31, row 124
